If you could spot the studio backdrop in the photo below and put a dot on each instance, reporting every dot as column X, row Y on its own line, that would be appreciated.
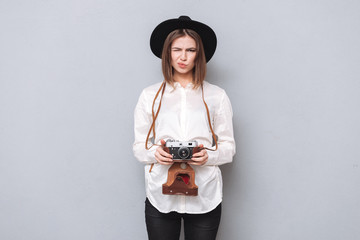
column 71, row 73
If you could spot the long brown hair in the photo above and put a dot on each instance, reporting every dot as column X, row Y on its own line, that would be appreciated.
column 199, row 71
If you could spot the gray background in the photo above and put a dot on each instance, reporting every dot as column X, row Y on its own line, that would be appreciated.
column 71, row 72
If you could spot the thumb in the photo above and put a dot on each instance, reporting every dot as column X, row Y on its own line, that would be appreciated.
column 163, row 142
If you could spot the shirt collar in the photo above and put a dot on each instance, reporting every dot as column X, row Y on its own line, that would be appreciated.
column 178, row 85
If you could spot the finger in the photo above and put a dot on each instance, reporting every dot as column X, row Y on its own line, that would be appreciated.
column 197, row 163
column 199, row 159
column 202, row 158
column 164, row 163
column 162, row 150
column 164, row 153
column 163, row 156
column 202, row 162
column 197, row 155
column 163, row 142
column 162, row 160
column 200, row 154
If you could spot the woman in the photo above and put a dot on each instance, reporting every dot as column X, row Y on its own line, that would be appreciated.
column 184, row 107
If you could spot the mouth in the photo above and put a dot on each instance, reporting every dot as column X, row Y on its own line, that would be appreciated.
column 182, row 65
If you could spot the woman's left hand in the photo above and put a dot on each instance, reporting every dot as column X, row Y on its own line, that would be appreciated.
column 199, row 158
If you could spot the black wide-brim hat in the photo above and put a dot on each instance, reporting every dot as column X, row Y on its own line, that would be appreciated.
column 160, row 33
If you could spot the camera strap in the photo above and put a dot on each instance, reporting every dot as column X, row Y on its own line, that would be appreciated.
column 154, row 117
column 210, row 125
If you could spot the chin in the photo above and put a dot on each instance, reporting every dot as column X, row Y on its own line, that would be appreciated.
column 182, row 71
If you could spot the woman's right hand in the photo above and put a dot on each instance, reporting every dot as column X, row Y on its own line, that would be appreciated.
column 162, row 156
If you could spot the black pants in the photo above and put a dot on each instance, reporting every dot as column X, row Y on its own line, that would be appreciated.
column 167, row 226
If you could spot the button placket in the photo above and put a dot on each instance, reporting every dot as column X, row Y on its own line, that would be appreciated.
column 183, row 112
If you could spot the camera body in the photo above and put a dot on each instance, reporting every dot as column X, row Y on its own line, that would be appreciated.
column 181, row 150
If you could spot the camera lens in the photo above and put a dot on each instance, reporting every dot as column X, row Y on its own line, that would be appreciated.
column 184, row 152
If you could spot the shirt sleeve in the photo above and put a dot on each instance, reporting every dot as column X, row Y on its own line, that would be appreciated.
column 142, row 123
column 223, row 129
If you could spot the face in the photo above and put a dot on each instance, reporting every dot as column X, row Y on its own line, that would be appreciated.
column 183, row 54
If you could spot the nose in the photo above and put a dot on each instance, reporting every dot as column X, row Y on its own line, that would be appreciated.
column 183, row 56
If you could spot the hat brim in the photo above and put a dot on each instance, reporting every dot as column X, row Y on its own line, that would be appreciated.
column 160, row 33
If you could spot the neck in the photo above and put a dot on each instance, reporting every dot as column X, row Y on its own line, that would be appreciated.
column 183, row 79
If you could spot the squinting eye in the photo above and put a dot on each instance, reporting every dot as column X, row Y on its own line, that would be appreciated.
column 192, row 50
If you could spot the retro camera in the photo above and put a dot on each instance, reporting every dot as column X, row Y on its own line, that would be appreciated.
column 181, row 150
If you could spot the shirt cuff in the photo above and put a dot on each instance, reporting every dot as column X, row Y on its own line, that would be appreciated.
column 213, row 157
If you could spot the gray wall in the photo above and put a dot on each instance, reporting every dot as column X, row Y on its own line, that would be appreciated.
column 70, row 75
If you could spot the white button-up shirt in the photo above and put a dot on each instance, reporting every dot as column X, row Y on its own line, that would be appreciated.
column 183, row 117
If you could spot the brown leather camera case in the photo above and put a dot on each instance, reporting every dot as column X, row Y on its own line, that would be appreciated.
column 181, row 180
